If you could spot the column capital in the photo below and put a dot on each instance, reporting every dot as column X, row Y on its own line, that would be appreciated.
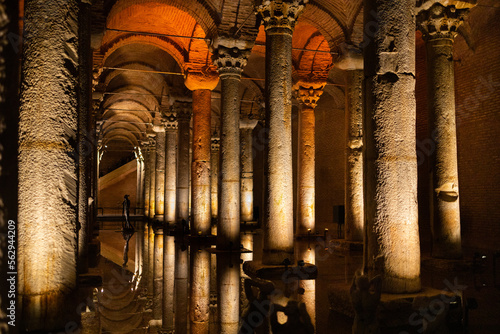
column 183, row 110
column 309, row 92
column 230, row 55
column 279, row 13
column 215, row 143
column 197, row 78
column 170, row 122
column 246, row 123
column 351, row 58
column 438, row 21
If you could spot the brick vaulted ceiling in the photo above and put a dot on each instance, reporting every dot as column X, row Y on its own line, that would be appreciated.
column 142, row 48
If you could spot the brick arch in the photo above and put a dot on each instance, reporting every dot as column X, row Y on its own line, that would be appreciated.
column 201, row 12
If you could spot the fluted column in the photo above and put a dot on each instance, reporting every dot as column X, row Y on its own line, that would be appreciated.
column 246, row 206
column 184, row 118
column 391, row 162
column 308, row 94
column 439, row 25
column 201, row 84
column 279, row 21
column 47, row 217
column 352, row 63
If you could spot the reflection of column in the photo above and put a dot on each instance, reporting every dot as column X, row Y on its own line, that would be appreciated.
column 158, row 273
column 352, row 63
column 439, row 26
column 181, row 286
column 308, row 96
column 305, row 251
column 247, row 243
column 183, row 117
column 391, row 162
column 214, row 181
column 246, row 129
column 228, row 292
column 160, row 172
column 47, row 217
column 201, row 84
column 199, row 289
column 168, row 282
column 279, row 21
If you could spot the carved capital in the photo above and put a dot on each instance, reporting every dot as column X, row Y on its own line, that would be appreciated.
column 280, row 13
column 182, row 110
column 201, row 78
column 230, row 60
column 215, row 143
column 308, row 93
column 170, row 122
column 438, row 21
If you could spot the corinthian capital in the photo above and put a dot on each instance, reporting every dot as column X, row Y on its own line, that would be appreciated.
column 280, row 13
column 439, row 21
column 308, row 93
column 230, row 55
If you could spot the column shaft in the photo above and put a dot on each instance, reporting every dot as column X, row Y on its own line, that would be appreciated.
column 183, row 168
column 305, row 171
column 147, row 181
column 158, row 275
column 214, row 177
column 228, row 292
column 170, row 176
column 278, row 222
column 48, row 188
column 168, row 282
column 228, row 229
column 354, row 206
column 152, row 182
column 160, row 176
column 199, row 290
column 246, row 145
column 200, row 170
column 391, row 163
column 181, row 286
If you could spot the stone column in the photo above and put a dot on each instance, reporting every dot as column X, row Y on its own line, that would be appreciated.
column 48, row 186
column 230, row 63
column 85, row 141
column 439, row 25
column 352, row 63
column 279, row 21
column 199, row 289
column 201, row 84
column 308, row 94
column 160, row 172
column 228, row 292
column 246, row 145
column 183, row 118
column 145, row 242
column 214, row 179
column 139, row 179
column 168, row 282
column 181, row 285
column 158, row 273
column 151, row 235
column 147, row 179
column 391, row 162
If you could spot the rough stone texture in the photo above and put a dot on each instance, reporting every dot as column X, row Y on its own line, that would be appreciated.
column 158, row 275
column 308, row 95
column 199, row 290
column 160, row 173
column 214, row 176
column 444, row 193
column 228, row 292
column 168, row 281
column 391, row 167
column 152, row 182
column 47, row 220
column 246, row 154
column 171, row 176
column 279, row 20
column 147, row 179
column 181, row 286
column 183, row 116
column 151, row 259
column 354, row 206
column 200, row 168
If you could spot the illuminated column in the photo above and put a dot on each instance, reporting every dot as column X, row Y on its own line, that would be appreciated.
column 140, row 179
column 85, row 141
column 147, row 179
column 168, row 282
column 279, row 21
column 145, row 234
column 201, row 84
column 152, row 191
column 352, row 64
column 183, row 117
column 230, row 62
column 439, row 27
column 47, row 217
column 158, row 273
column 214, row 181
column 308, row 94
column 247, row 243
column 160, row 172
column 181, row 285
column 246, row 129
column 199, row 289
column 391, row 162
column 228, row 292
